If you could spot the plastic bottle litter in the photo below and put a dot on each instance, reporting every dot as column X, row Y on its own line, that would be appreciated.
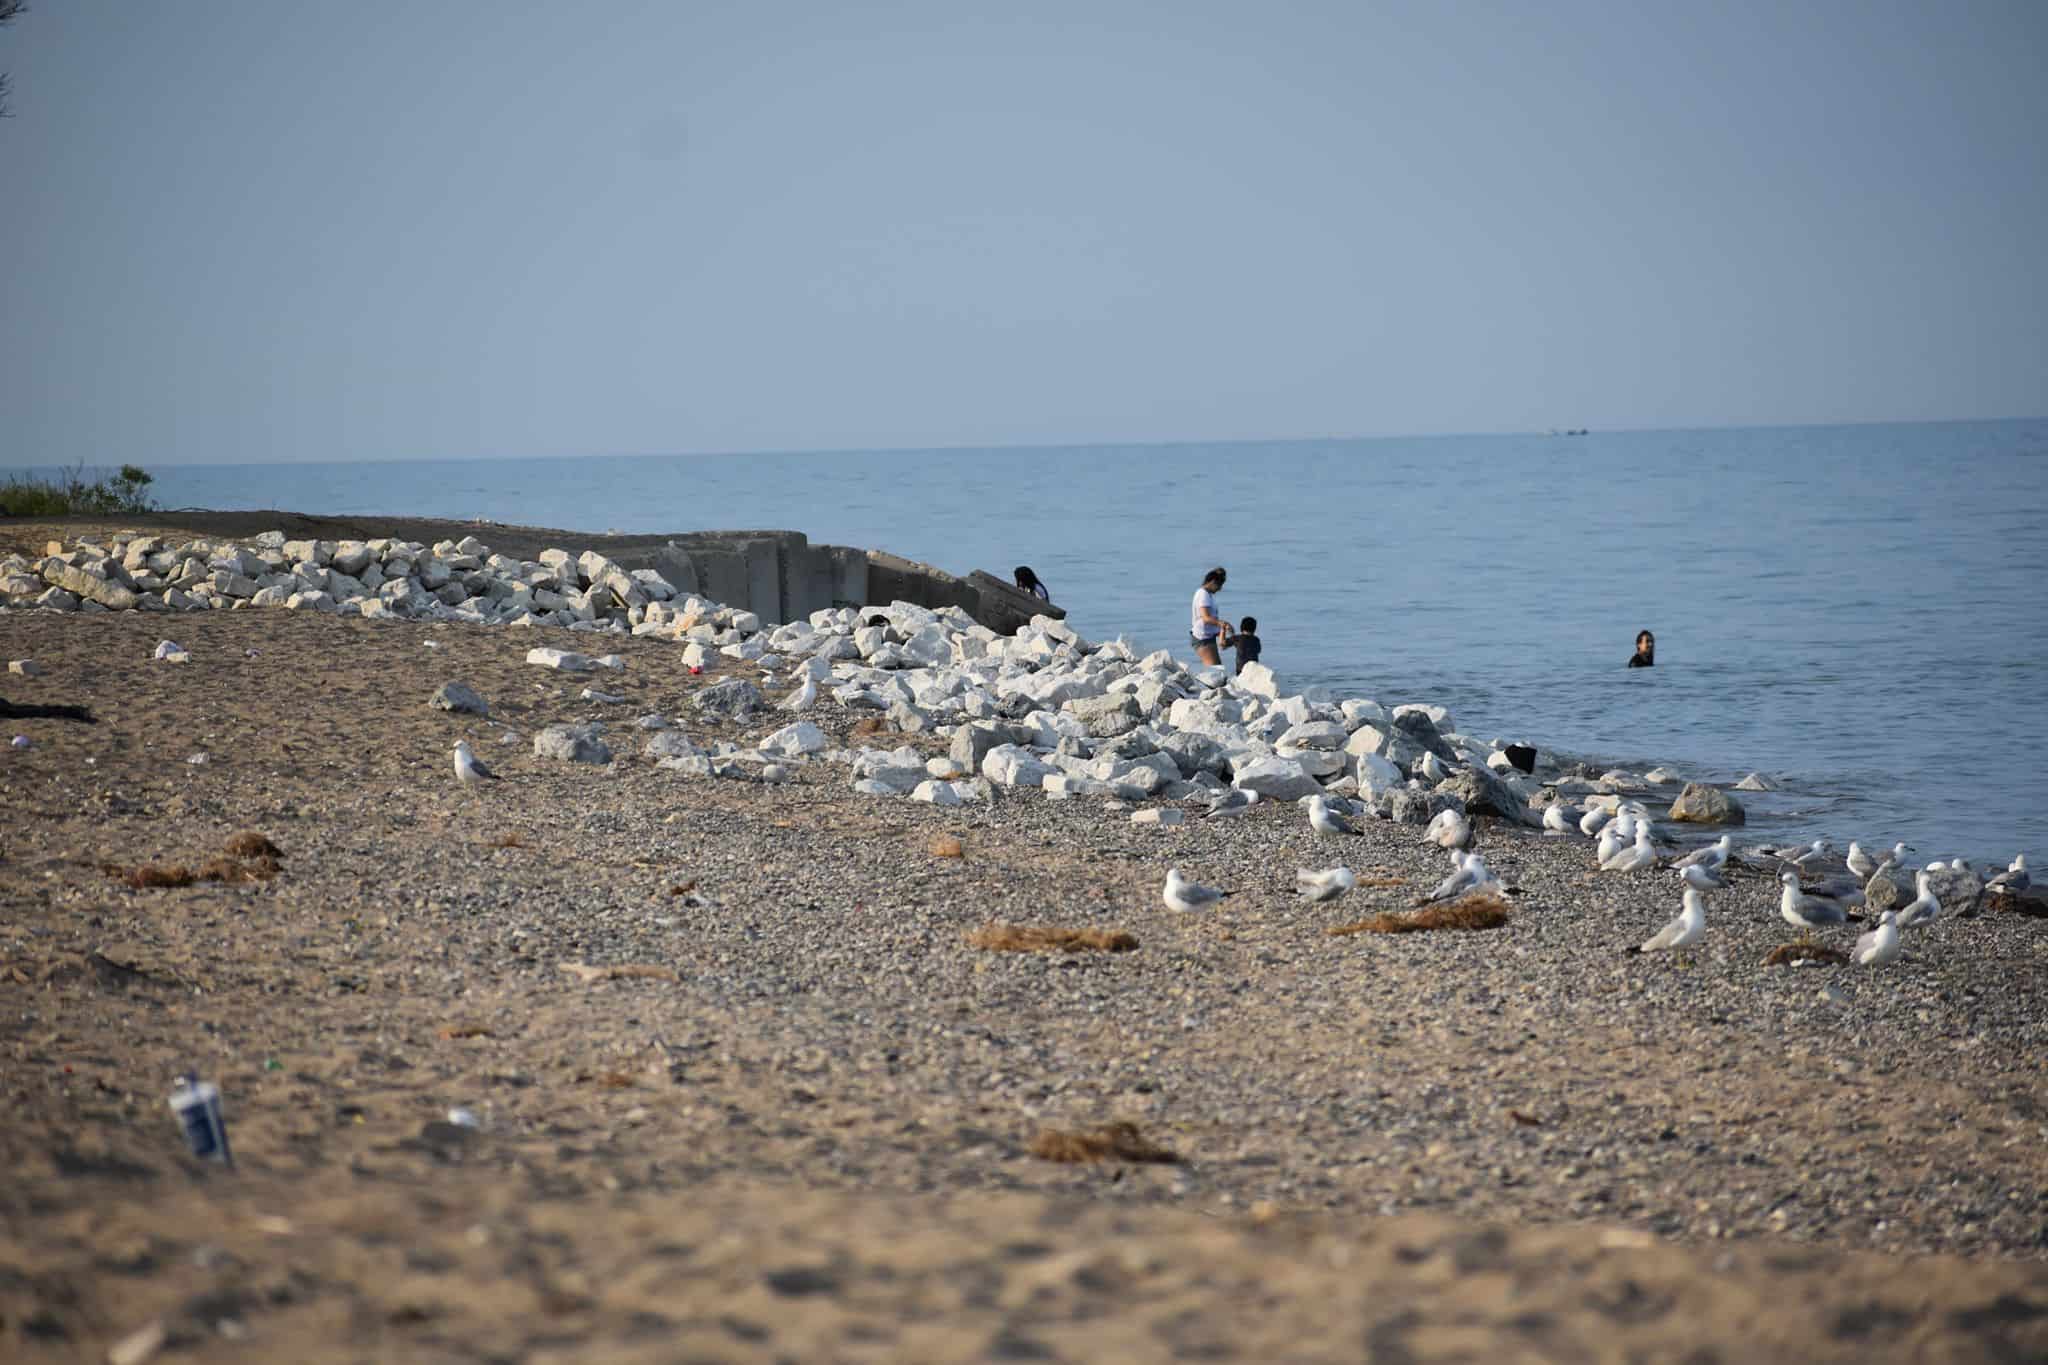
column 463, row 1118
column 197, row 1105
column 170, row 651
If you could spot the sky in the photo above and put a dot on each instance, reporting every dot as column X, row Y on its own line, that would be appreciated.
column 278, row 230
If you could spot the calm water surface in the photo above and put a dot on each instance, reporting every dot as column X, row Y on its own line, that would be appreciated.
column 1855, row 611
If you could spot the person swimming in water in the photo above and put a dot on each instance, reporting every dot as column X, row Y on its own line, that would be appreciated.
column 1646, row 651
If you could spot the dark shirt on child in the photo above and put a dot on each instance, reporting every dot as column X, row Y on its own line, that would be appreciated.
column 1638, row 661
column 1247, row 647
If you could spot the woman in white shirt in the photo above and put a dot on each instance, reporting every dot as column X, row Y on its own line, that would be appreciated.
column 1206, row 630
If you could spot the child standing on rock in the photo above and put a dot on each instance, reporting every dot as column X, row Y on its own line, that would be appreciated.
column 1246, row 642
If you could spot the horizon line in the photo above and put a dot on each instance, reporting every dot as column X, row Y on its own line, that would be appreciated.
column 1167, row 443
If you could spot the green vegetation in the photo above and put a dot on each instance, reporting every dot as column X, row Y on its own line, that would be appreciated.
column 71, row 495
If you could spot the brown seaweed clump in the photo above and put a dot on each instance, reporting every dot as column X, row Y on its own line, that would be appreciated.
column 250, row 844
column 1119, row 1141
column 1044, row 938
column 1477, row 910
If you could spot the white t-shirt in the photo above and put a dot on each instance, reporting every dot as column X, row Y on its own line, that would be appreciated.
column 1204, row 601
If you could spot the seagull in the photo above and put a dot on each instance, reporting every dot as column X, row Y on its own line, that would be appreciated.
column 1469, row 874
column 1182, row 894
column 1814, row 853
column 1450, row 829
column 1323, row 820
column 1595, row 817
column 1700, row 877
column 1636, row 856
column 1713, row 857
column 1880, row 945
column 468, row 767
column 802, row 698
column 1610, row 844
column 1625, row 822
column 1804, row 910
column 1232, row 802
column 1432, row 767
column 1558, row 818
column 2014, row 879
column 1689, row 928
column 1921, row 910
column 1859, row 862
column 1326, row 885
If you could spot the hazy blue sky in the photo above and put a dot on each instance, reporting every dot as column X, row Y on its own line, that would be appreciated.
column 290, row 230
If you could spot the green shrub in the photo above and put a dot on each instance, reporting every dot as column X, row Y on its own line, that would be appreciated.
column 70, row 494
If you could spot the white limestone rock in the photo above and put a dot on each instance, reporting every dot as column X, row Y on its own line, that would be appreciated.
column 800, row 738
column 1008, row 765
column 1159, row 815
column 562, row 660
column 1276, row 779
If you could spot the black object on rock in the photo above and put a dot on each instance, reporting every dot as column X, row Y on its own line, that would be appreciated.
column 1522, row 756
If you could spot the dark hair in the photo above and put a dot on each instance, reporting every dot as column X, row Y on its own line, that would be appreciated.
column 1025, row 578
column 1248, row 626
column 1641, row 635
column 1216, row 576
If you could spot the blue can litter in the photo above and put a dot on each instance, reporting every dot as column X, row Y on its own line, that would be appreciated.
column 197, row 1105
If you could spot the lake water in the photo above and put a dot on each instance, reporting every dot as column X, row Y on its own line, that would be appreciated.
column 1857, row 612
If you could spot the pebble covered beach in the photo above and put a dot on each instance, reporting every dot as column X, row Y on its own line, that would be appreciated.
column 731, row 1077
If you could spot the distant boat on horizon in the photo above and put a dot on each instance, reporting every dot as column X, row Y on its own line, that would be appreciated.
column 1580, row 431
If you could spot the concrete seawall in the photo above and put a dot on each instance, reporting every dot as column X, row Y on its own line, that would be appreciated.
column 781, row 576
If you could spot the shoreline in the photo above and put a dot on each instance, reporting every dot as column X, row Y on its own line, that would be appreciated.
column 1624, row 1147
column 932, row 587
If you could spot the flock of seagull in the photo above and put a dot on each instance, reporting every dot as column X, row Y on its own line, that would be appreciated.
column 1627, row 844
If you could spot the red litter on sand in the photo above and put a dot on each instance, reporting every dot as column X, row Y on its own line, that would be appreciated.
column 696, row 669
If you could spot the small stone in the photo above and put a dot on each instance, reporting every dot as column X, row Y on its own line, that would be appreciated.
column 1159, row 815
column 1756, row 782
column 27, row 668
column 566, row 660
column 460, row 697
column 571, row 744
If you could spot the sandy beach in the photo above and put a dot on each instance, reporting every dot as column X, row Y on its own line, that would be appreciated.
column 803, row 1128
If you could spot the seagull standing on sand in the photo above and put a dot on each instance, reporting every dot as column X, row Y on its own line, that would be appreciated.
column 1859, row 862
column 1323, row 820
column 1689, row 928
column 1922, row 909
column 1326, row 885
column 1558, row 818
column 1182, row 894
column 1880, row 945
column 1811, row 857
column 1713, row 857
column 1595, row 817
column 1611, row 843
column 1450, row 829
column 470, row 768
column 2014, row 879
column 1232, row 802
column 1804, row 910
column 1636, row 856
column 1701, row 877
column 1469, row 874
column 802, row 698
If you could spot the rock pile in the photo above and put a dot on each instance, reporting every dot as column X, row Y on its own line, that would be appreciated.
column 1041, row 708
column 455, row 580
